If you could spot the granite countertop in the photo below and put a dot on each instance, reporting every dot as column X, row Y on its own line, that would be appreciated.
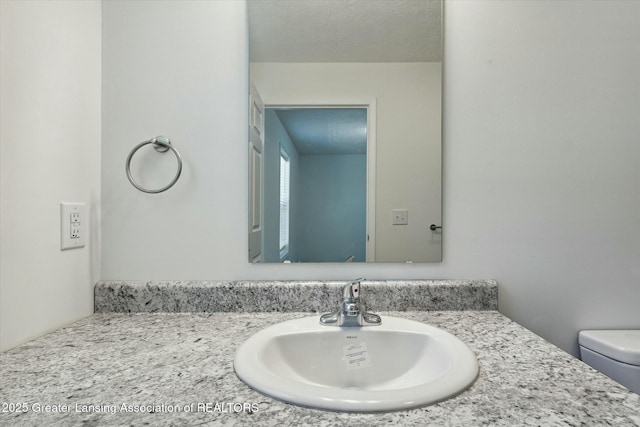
column 147, row 368
column 290, row 295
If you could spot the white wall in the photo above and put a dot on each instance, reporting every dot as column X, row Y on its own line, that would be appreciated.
column 50, row 152
column 542, row 159
column 408, row 134
column 188, row 81
column 541, row 155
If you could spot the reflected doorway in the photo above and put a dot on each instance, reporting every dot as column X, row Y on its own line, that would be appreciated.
column 316, row 190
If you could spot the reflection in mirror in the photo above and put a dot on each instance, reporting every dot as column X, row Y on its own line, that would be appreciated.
column 345, row 130
column 318, row 198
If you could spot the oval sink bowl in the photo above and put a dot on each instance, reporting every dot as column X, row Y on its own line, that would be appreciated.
column 400, row 364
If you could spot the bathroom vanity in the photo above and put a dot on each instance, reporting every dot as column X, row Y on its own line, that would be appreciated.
column 121, row 368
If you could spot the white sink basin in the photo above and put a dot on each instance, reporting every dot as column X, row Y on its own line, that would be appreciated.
column 399, row 364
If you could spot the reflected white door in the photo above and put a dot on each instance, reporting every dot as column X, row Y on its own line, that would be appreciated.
column 256, row 159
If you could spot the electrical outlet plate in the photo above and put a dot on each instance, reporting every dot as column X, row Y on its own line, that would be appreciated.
column 73, row 225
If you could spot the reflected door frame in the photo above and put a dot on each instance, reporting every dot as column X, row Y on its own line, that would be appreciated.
column 370, row 106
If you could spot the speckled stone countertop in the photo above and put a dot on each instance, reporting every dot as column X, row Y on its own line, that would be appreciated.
column 291, row 295
column 135, row 369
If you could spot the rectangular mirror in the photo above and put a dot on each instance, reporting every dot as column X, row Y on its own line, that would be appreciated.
column 345, row 131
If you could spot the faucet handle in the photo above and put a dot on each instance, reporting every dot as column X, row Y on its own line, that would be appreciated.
column 352, row 290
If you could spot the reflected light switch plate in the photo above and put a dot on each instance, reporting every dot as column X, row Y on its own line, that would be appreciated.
column 400, row 217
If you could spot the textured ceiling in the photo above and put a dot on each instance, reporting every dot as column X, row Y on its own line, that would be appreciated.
column 345, row 30
column 326, row 130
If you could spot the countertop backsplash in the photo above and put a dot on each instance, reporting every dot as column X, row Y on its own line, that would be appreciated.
column 291, row 296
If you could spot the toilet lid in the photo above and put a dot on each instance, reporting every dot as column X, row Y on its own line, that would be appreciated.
column 621, row 345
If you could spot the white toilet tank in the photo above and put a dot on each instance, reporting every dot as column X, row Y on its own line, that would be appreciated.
column 615, row 353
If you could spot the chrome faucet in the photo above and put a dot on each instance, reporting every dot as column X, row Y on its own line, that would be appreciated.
column 352, row 311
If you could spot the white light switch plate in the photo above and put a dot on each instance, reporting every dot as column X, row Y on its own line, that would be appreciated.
column 73, row 225
column 400, row 217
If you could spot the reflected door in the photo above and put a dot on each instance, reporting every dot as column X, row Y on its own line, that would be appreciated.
column 256, row 160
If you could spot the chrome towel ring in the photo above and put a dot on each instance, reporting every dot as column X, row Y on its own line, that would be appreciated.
column 162, row 145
